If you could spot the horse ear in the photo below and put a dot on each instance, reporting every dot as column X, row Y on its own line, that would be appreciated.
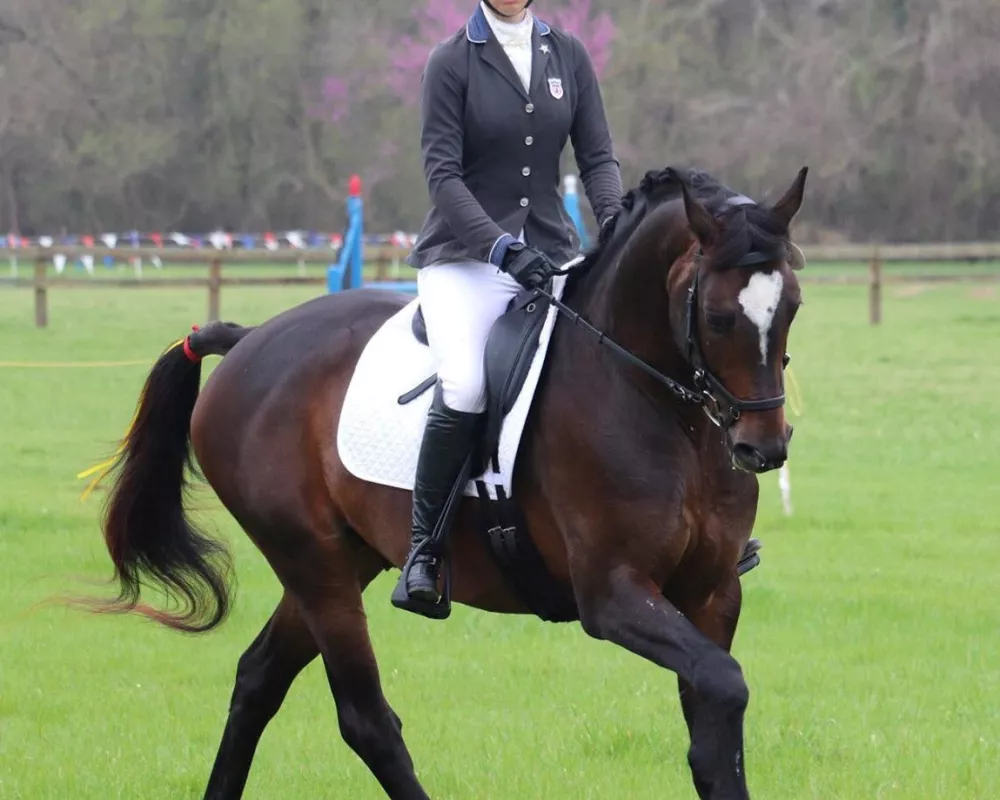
column 701, row 222
column 788, row 206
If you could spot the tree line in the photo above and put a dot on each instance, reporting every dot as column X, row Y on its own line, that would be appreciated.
column 198, row 114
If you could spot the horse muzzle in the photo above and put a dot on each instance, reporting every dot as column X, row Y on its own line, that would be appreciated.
column 763, row 455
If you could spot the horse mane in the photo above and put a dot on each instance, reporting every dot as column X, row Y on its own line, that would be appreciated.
column 746, row 226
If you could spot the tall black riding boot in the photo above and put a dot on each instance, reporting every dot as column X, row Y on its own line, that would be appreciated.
column 448, row 441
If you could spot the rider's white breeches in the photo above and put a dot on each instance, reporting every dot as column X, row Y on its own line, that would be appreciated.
column 460, row 302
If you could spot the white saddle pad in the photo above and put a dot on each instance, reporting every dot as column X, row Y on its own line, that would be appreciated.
column 378, row 439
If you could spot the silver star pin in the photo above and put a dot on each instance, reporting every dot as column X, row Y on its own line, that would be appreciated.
column 544, row 48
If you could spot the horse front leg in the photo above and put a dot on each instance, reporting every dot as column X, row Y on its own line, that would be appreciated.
column 627, row 608
column 716, row 619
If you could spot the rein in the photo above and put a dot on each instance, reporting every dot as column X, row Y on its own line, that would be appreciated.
column 679, row 391
column 723, row 413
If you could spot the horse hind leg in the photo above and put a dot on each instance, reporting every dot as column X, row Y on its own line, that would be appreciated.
column 266, row 670
column 284, row 647
column 367, row 723
column 327, row 575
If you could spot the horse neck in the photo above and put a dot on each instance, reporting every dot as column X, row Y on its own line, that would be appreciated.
column 631, row 300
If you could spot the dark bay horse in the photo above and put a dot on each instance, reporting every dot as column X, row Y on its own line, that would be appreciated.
column 640, row 504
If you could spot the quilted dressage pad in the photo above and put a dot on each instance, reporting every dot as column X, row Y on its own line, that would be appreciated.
column 378, row 439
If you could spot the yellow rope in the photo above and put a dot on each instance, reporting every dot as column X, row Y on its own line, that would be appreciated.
column 70, row 364
column 102, row 470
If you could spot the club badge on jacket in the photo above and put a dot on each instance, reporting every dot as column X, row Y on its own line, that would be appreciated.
column 556, row 88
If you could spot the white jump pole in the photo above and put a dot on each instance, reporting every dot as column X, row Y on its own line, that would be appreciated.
column 785, row 484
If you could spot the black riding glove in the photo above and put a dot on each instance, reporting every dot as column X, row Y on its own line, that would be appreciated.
column 529, row 267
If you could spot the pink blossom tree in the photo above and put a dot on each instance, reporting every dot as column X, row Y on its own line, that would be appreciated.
column 439, row 19
column 364, row 105
column 436, row 21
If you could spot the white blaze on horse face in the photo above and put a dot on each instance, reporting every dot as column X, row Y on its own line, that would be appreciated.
column 759, row 300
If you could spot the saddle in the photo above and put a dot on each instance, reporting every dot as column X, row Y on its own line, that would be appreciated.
column 510, row 351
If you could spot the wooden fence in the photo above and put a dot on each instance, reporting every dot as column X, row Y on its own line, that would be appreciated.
column 878, row 255
column 41, row 258
column 380, row 257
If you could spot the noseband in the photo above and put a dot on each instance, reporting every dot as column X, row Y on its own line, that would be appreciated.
column 721, row 405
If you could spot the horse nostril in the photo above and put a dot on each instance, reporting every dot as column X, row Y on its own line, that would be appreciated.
column 760, row 459
column 748, row 457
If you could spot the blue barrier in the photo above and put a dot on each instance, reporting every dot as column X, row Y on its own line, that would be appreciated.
column 334, row 278
column 351, row 262
column 571, row 202
column 408, row 287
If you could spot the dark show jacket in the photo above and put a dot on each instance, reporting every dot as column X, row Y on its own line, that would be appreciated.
column 491, row 151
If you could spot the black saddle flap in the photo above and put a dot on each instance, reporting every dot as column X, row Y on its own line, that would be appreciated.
column 510, row 349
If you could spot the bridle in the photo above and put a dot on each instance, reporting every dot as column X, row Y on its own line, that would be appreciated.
column 721, row 406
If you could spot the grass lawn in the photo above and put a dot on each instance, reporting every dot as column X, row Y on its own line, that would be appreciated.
column 868, row 638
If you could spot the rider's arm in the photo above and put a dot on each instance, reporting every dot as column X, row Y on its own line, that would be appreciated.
column 441, row 139
column 599, row 169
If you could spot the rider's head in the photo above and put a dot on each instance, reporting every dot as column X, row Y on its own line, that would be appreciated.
column 509, row 10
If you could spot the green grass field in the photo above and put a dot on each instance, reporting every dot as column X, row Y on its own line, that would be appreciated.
column 868, row 637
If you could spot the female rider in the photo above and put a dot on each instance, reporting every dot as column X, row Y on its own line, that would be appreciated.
column 499, row 100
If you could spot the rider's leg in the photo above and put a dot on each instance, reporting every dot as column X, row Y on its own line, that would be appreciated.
column 460, row 303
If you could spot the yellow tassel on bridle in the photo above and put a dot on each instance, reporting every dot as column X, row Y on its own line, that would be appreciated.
column 794, row 393
column 102, row 470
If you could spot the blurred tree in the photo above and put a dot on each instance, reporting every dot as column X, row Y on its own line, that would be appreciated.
column 200, row 113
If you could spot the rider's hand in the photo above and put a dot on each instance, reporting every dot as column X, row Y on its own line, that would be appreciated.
column 529, row 267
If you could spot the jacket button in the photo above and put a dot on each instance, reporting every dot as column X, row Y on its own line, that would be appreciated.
column 524, row 202
column 530, row 108
column 529, row 140
column 526, row 171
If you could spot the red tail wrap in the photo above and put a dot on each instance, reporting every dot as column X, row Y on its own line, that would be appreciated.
column 192, row 356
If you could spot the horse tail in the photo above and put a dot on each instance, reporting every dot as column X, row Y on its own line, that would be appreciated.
column 148, row 534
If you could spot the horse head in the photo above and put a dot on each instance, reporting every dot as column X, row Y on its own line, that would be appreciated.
column 733, row 297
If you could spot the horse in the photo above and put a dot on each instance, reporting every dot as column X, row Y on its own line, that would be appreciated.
column 637, row 474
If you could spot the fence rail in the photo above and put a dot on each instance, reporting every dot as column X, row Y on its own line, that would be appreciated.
column 42, row 258
column 202, row 256
column 380, row 256
column 968, row 252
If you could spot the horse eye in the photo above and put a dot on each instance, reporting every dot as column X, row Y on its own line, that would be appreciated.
column 720, row 323
column 785, row 359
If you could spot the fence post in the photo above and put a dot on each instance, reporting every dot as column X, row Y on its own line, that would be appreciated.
column 214, row 287
column 41, row 292
column 875, row 290
column 381, row 265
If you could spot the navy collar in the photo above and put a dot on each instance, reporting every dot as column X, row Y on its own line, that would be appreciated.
column 478, row 31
